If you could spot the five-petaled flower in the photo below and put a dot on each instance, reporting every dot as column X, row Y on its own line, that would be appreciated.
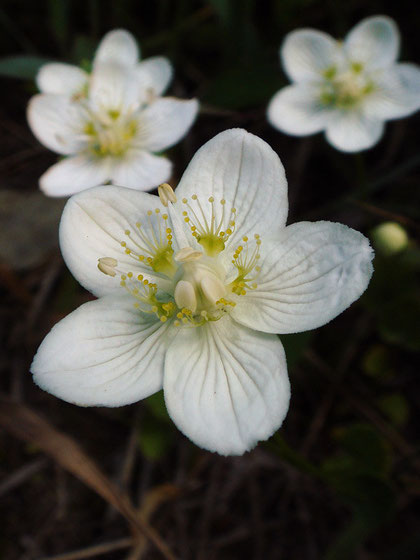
column 192, row 289
column 349, row 88
column 110, row 123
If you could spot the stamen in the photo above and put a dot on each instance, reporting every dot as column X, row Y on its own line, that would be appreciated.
column 210, row 234
column 107, row 265
column 166, row 194
column 245, row 261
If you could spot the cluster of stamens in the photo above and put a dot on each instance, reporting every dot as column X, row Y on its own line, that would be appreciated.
column 210, row 234
column 144, row 292
column 246, row 260
column 344, row 90
column 109, row 133
column 200, row 293
column 154, row 250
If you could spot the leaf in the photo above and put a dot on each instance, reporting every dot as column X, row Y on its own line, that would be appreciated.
column 21, row 66
column 367, row 449
column 26, row 425
column 395, row 407
column 156, row 404
column 373, row 502
column 155, row 438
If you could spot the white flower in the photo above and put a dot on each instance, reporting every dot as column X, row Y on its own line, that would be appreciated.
column 349, row 88
column 109, row 124
column 192, row 290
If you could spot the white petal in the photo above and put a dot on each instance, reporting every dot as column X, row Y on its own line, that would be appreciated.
column 225, row 386
column 60, row 78
column 93, row 226
column 353, row 131
column 118, row 46
column 306, row 53
column 298, row 110
column 396, row 93
column 113, row 87
column 74, row 174
column 154, row 75
column 163, row 123
column 374, row 42
column 141, row 171
column 242, row 169
column 57, row 122
column 106, row 353
column 309, row 274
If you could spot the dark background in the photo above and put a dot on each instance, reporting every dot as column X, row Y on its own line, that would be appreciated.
column 341, row 479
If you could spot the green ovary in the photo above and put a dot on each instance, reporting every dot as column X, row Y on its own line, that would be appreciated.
column 212, row 244
column 163, row 262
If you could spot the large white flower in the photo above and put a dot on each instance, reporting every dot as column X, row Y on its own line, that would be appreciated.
column 345, row 88
column 192, row 291
column 109, row 124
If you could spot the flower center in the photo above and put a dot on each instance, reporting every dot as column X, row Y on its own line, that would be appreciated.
column 198, row 285
column 213, row 232
column 110, row 133
column 344, row 90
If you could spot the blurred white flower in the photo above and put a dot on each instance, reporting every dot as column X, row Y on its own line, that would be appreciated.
column 349, row 88
column 192, row 290
column 109, row 124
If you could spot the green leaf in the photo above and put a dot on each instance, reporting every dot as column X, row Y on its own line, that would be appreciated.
column 21, row 66
column 367, row 449
column 395, row 407
column 156, row 404
column 154, row 438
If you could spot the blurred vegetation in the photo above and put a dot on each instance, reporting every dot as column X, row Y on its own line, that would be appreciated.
column 341, row 479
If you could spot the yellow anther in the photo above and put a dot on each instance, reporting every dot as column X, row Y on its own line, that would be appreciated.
column 140, row 277
column 123, row 244
column 157, row 211
column 136, row 305
column 141, row 257
column 184, row 201
column 138, row 224
column 163, row 319
column 127, row 251
column 149, row 212
column 165, row 216
column 130, row 274
column 229, row 231
column 127, row 232
column 194, row 197
column 223, row 201
column 211, row 199
column 245, row 238
column 145, row 281
column 168, row 230
column 154, row 309
column 184, row 213
column 177, row 323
